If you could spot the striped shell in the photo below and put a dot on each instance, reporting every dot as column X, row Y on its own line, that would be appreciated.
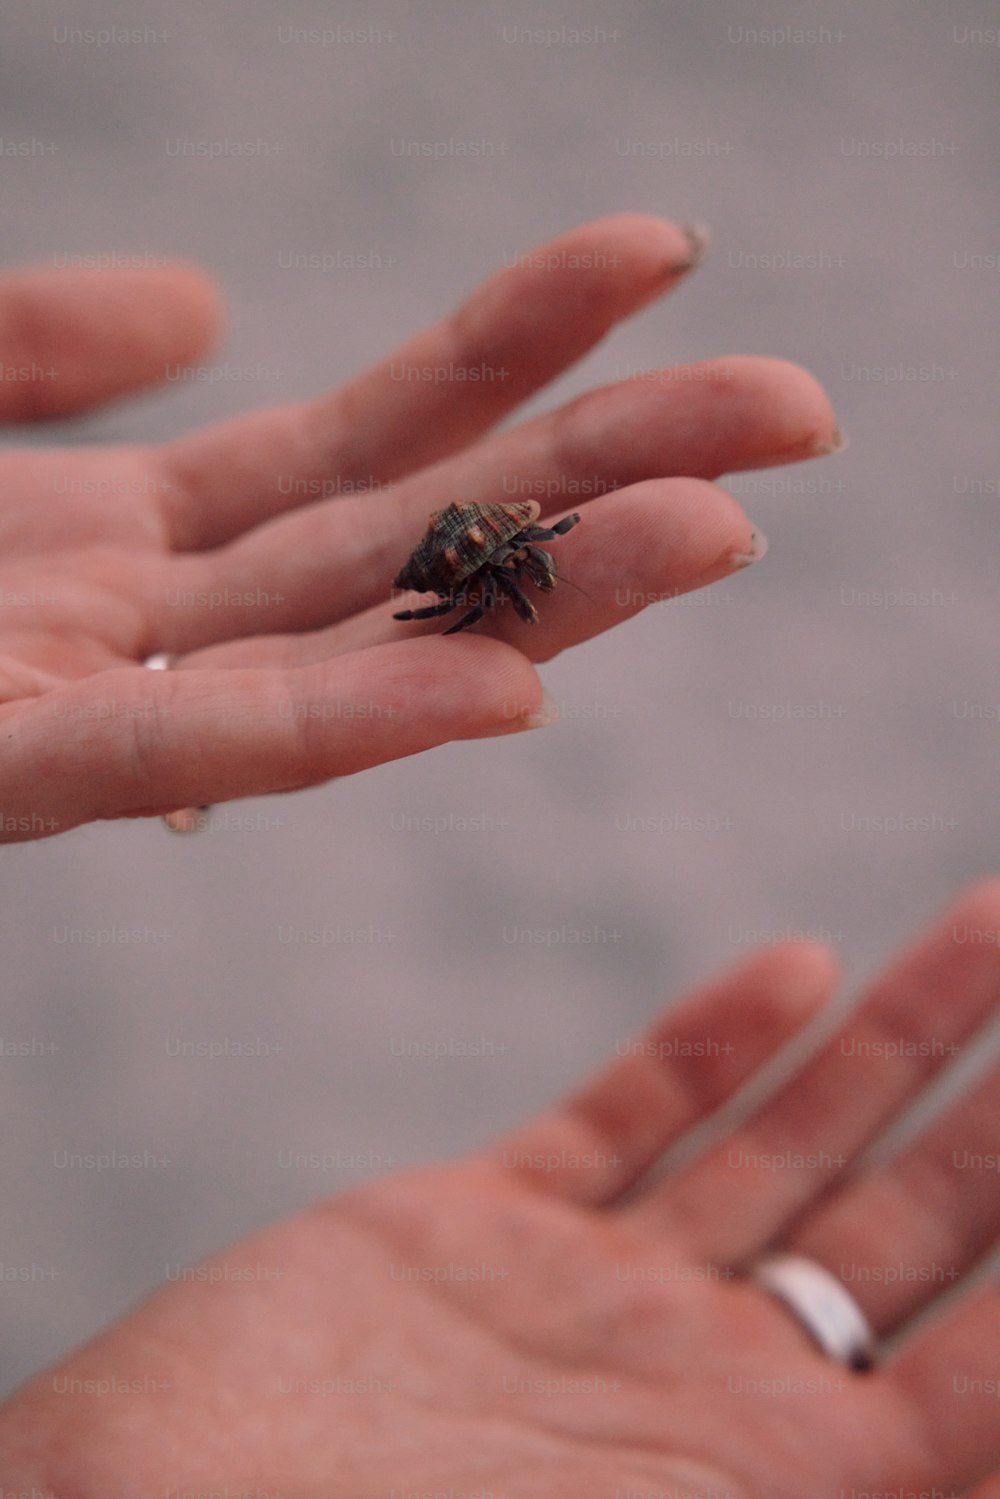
column 460, row 540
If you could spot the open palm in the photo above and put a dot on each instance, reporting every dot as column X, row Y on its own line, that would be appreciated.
column 554, row 1318
column 261, row 552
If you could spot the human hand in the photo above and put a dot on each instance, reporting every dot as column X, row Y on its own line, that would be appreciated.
column 261, row 552
column 551, row 1317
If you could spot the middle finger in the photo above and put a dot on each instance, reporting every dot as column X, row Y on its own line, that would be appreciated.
column 901, row 1236
column 329, row 560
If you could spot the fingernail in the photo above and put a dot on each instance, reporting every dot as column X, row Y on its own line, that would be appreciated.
column 699, row 238
column 758, row 546
column 545, row 713
column 822, row 447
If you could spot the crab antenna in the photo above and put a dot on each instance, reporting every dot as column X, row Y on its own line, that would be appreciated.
column 563, row 579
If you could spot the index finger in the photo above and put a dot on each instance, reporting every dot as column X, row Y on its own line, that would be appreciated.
column 432, row 395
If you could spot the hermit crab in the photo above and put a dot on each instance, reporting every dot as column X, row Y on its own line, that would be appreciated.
column 482, row 550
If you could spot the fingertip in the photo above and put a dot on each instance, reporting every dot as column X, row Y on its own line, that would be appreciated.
column 600, row 272
column 799, row 976
column 197, row 301
column 167, row 317
column 984, row 891
column 99, row 331
column 813, row 968
column 669, row 246
column 801, row 420
column 978, row 906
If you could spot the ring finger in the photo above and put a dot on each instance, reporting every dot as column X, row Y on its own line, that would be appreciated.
column 901, row 1236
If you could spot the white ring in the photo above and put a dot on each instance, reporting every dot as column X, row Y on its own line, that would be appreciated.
column 184, row 819
column 823, row 1305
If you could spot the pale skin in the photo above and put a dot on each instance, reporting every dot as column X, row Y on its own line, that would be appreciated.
column 331, row 1378
column 276, row 598
column 606, row 1345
